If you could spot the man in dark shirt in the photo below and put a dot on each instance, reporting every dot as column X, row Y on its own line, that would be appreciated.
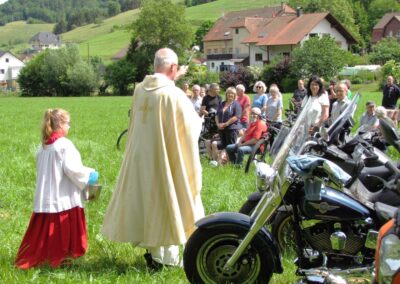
column 211, row 101
column 298, row 96
column 391, row 93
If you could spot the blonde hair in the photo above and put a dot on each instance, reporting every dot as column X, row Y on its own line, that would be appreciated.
column 231, row 90
column 52, row 120
column 262, row 84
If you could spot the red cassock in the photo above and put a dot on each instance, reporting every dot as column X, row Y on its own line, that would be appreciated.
column 52, row 238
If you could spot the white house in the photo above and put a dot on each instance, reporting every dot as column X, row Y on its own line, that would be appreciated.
column 10, row 66
column 281, row 35
column 44, row 40
column 254, row 37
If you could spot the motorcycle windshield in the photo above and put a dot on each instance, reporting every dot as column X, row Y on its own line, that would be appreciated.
column 292, row 143
column 345, row 117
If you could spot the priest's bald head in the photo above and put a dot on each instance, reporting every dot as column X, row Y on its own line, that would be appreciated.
column 166, row 62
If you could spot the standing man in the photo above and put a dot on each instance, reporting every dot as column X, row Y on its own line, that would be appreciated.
column 157, row 201
column 298, row 96
column 211, row 101
column 341, row 103
column 391, row 94
column 244, row 102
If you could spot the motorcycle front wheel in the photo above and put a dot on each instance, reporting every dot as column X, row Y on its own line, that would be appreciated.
column 207, row 251
column 283, row 232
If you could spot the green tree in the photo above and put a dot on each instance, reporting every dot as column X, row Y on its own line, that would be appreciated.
column 341, row 9
column 113, row 8
column 160, row 23
column 201, row 32
column 385, row 50
column 308, row 59
column 59, row 72
column 378, row 8
column 120, row 76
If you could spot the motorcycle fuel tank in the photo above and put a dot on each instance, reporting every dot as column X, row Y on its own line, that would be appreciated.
column 334, row 206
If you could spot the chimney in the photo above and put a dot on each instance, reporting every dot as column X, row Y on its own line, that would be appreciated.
column 299, row 11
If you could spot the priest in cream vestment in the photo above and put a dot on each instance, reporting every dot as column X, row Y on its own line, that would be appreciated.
column 157, row 201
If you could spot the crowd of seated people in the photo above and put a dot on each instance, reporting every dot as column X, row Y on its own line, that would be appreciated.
column 240, row 121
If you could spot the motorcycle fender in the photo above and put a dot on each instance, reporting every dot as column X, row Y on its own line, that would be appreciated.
column 263, row 237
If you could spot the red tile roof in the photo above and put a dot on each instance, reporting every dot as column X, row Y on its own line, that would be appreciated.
column 290, row 30
column 222, row 28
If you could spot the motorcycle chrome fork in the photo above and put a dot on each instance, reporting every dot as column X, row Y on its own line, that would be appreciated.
column 268, row 204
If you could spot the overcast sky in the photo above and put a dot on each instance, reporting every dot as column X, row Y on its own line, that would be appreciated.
column 2, row 1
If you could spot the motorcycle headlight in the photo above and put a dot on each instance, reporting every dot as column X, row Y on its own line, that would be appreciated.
column 264, row 176
column 389, row 258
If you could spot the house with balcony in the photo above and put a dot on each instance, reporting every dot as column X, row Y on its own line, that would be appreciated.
column 254, row 38
column 223, row 44
column 388, row 26
column 10, row 66
column 281, row 35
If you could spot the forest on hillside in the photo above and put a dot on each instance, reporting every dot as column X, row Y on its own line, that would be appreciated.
column 68, row 14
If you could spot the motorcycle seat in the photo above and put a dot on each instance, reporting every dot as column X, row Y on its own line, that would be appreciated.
column 384, row 212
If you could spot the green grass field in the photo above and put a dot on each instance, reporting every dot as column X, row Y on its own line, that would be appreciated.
column 95, row 125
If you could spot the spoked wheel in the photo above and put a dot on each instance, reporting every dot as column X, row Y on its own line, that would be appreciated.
column 209, row 249
column 121, row 140
column 283, row 232
column 258, row 154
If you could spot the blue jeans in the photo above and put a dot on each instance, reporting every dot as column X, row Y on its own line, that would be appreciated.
column 236, row 153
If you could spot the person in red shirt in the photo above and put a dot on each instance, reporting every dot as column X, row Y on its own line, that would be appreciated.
column 244, row 101
column 253, row 133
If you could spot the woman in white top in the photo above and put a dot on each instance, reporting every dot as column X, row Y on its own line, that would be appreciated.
column 57, row 228
column 319, row 112
column 274, row 105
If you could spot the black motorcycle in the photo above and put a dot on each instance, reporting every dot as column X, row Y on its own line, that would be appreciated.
column 333, row 231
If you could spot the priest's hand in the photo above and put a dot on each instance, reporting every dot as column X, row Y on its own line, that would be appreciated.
column 181, row 72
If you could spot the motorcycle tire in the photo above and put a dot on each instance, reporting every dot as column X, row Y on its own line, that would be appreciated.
column 207, row 251
column 282, row 231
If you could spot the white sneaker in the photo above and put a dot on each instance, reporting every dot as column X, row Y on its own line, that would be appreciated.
column 214, row 163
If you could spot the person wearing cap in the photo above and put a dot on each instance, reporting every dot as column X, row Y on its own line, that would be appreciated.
column 253, row 133
column 368, row 120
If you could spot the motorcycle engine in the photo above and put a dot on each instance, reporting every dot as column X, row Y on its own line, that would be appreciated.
column 322, row 237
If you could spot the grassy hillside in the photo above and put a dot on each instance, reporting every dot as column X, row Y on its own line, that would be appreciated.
column 19, row 32
column 214, row 10
column 107, row 38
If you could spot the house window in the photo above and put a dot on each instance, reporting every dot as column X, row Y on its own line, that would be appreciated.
column 230, row 50
column 223, row 50
column 237, row 31
column 398, row 34
column 1, row 71
column 258, row 56
column 286, row 54
column 390, row 33
column 209, row 51
column 313, row 35
column 212, row 64
column 215, row 50
column 7, row 60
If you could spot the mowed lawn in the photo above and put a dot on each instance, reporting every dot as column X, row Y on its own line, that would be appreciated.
column 95, row 125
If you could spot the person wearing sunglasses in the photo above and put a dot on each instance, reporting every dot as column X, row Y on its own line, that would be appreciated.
column 260, row 97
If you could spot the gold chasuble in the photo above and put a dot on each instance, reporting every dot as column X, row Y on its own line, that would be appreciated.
column 157, row 197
